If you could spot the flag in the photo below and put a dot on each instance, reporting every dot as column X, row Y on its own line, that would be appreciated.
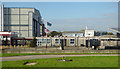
column 49, row 24
column 48, row 30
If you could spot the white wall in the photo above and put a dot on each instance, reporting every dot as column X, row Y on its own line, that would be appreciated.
column 89, row 33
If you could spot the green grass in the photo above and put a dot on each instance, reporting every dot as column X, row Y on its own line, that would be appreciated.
column 85, row 61
column 23, row 54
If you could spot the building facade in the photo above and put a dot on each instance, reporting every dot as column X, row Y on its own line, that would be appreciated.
column 25, row 21
column 89, row 33
column 78, row 41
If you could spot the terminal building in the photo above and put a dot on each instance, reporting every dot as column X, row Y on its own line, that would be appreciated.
column 24, row 21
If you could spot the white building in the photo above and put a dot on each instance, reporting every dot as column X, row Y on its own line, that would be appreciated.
column 89, row 33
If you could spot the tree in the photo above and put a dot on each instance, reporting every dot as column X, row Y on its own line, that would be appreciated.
column 34, row 41
column 110, row 33
column 82, row 30
column 54, row 33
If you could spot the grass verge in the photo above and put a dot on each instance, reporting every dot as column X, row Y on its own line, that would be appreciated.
column 24, row 54
column 83, row 61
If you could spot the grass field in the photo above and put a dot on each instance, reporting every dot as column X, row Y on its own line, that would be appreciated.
column 85, row 61
column 23, row 54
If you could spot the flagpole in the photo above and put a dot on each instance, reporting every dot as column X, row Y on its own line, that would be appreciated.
column 46, row 35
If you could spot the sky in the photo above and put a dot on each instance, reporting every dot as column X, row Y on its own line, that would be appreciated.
column 75, row 16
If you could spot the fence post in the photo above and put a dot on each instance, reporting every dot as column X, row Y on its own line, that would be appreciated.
column 10, row 46
column 18, row 46
column 21, row 46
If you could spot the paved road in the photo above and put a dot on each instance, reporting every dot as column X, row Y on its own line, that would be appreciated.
column 15, row 58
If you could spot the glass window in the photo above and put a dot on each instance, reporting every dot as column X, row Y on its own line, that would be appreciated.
column 48, row 41
column 72, row 41
column 43, row 41
column 57, row 41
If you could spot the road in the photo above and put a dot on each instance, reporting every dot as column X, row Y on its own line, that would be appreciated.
column 15, row 58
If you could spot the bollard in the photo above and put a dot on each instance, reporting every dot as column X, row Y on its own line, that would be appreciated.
column 14, row 46
column 26, row 45
column 21, row 46
column 10, row 46
column 18, row 46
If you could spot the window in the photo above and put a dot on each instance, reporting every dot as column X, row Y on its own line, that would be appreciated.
column 72, row 41
column 48, row 41
column 39, row 39
column 43, row 41
column 57, row 41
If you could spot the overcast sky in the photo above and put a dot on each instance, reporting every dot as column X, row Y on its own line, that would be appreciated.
column 74, row 16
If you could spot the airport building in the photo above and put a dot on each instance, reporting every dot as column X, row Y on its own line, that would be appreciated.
column 24, row 21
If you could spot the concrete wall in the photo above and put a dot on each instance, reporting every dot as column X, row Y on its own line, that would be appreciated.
column 55, row 50
column 25, row 21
